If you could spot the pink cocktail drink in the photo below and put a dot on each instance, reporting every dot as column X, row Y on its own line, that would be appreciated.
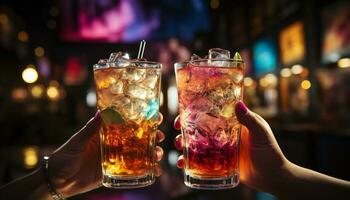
column 208, row 92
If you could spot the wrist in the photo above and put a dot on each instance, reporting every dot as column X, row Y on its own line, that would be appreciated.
column 52, row 183
column 282, row 184
column 41, row 191
column 279, row 183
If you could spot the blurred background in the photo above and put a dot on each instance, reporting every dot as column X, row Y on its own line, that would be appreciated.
column 297, row 76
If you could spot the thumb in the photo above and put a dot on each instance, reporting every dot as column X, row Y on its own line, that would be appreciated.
column 259, row 129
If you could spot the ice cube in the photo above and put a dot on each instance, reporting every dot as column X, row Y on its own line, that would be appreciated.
column 217, row 53
column 151, row 94
column 217, row 57
column 237, row 77
column 124, row 100
column 136, row 110
column 116, row 55
column 201, row 138
column 121, row 62
column 220, row 63
column 120, row 102
column 117, row 88
column 134, row 75
column 102, row 102
column 106, row 82
column 196, row 81
column 231, row 94
column 221, row 137
column 103, row 63
column 200, row 104
column 105, row 99
column 152, row 109
column 129, row 111
column 228, row 110
column 136, row 91
column 150, row 81
column 140, row 105
column 207, row 122
column 224, row 94
column 217, row 95
column 237, row 92
column 195, row 57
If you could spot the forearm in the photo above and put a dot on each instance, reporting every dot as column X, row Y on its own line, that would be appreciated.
column 302, row 183
column 32, row 186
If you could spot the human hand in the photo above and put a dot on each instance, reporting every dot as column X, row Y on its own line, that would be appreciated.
column 261, row 161
column 75, row 167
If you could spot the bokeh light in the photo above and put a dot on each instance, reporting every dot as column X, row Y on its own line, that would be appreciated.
column 52, row 92
column 39, row 51
column 271, row 79
column 344, row 63
column 37, row 91
column 263, row 82
column 29, row 74
column 19, row 94
column 305, row 84
column 286, row 72
column 247, row 81
column 23, row 36
column 4, row 19
column 172, row 157
column 30, row 156
column 296, row 69
column 172, row 99
column 161, row 99
column 91, row 98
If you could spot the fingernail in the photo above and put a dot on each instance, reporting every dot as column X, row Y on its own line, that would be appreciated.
column 159, row 153
column 177, row 144
column 180, row 163
column 97, row 116
column 160, row 136
column 242, row 108
column 177, row 124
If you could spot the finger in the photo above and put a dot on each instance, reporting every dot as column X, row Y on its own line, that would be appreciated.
column 158, row 170
column 159, row 153
column 178, row 142
column 84, row 134
column 160, row 119
column 180, row 161
column 160, row 136
column 257, row 126
column 177, row 124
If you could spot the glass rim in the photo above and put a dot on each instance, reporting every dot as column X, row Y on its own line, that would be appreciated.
column 150, row 64
column 183, row 64
column 216, row 59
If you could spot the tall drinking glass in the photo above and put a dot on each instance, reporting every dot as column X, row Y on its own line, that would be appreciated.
column 208, row 91
column 128, row 100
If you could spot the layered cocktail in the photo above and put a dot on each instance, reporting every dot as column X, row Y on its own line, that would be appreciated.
column 128, row 99
column 208, row 91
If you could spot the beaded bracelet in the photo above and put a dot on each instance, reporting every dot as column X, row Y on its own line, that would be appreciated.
column 54, row 194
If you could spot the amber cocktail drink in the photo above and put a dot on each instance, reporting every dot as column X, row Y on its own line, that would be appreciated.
column 128, row 99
